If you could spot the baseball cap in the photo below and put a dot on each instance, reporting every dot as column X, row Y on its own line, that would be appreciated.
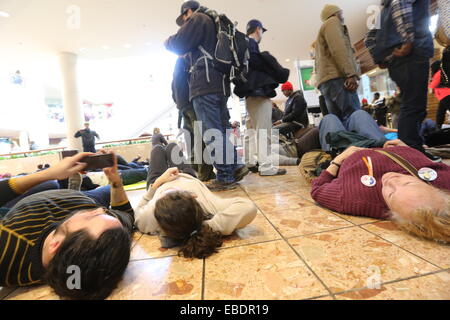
column 192, row 4
column 253, row 24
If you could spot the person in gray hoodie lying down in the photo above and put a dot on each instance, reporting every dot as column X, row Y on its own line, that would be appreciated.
column 182, row 210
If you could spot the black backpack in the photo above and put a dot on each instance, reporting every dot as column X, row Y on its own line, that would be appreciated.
column 232, row 53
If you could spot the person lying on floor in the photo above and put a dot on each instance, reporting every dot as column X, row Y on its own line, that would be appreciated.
column 396, row 182
column 68, row 234
column 184, row 212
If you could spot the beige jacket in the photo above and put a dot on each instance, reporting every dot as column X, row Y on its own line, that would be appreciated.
column 229, row 214
column 334, row 52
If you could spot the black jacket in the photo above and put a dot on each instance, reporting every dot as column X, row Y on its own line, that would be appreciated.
column 200, row 30
column 180, row 84
column 296, row 109
column 264, row 76
column 88, row 137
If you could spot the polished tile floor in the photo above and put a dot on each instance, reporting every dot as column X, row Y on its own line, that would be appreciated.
column 293, row 250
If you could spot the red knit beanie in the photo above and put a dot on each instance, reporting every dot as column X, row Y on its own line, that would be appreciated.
column 287, row 86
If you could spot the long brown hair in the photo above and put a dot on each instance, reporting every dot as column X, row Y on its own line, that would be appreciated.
column 182, row 218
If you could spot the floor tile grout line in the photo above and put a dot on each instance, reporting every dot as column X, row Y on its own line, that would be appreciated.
column 295, row 252
column 320, row 232
column 317, row 297
column 398, row 246
column 395, row 281
column 203, row 280
column 9, row 294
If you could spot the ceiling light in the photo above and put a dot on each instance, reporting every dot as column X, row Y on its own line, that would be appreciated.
column 105, row 47
column 4, row 14
column 288, row 60
column 127, row 46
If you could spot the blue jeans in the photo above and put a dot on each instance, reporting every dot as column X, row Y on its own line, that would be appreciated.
column 212, row 111
column 360, row 122
column 100, row 195
column 411, row 75
column 340, row 102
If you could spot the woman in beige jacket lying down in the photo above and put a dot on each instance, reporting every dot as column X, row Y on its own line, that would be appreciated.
column 185, row 213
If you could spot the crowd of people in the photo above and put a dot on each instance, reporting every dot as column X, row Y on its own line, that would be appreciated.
column 44, row 233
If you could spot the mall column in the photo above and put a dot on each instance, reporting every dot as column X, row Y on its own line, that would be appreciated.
column 73, row 112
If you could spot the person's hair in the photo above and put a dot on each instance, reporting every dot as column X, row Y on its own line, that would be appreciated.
column 182, row 218
column 432, row 224
column 377, row 94
column 102, row 263
column 435, row 67
column 251, row 30
column 156, row 131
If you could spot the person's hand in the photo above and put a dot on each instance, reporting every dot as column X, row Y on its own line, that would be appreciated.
column 394, row 143
column 67, row 167
column 351, row 84
column 382, row 66
column 170, row 175
column 404, row 50
column 346, row 154
column 278, row 123
column 112, row 173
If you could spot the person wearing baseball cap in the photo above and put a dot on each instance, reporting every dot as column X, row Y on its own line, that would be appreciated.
column 295, row 111
column 337, row 69
column 187, row 10
column 259, row 106
column 209, row 89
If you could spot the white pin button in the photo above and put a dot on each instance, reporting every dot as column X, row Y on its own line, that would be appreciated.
column 428, row 174
column 369, row 181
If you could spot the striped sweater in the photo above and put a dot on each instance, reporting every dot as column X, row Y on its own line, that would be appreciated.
column 346, row 194
column 26, row 226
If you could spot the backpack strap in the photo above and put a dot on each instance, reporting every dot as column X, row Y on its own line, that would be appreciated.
column 402, row 162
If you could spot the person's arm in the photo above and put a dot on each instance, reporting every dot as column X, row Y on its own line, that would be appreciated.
column 335, row 38
column 10, row 189
column 238, row 213
column 96, row 134
column 163, row 141
column 77, row 134
column 256, row 62
column 298, row 109
column 189, row 36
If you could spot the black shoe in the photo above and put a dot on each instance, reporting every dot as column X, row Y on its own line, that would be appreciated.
column 278, row 172
column 432, row 157
column 254, row 169
column 240, row 173
column 221, row 186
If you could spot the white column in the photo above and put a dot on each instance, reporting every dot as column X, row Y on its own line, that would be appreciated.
column 73, row 112
column 23, row 141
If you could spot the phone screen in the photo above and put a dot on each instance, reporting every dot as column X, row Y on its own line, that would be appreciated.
column 97, row 162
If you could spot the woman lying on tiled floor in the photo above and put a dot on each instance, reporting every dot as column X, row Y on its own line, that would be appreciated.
column 396, row 182
column 184, row 212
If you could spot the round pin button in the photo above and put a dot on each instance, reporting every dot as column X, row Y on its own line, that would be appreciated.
column 368, row 181
column 428, row 174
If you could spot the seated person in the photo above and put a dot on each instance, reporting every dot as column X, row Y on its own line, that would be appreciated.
column 277, row 113
column 359, row 122
column 185, row 213
column 367, row 182
column 295, row 112
column 67, row 229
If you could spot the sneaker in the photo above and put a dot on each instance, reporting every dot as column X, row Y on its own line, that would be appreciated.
column 277, row 172
column 241, row 172
column 221, row 186
column 75, row 182
column 432, row 157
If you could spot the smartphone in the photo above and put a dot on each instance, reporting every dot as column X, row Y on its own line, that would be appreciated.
column 98, row 161
column 68, row 153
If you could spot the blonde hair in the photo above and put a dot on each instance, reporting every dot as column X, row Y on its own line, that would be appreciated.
column 427, row 223
column 156, row 131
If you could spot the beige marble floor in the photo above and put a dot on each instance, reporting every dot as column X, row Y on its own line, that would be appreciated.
column 294, row 249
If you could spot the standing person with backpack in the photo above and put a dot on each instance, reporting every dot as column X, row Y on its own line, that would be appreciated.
column 209, row 88
column 259, row 106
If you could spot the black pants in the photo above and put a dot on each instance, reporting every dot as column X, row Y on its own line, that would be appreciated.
column 380, row 115
column 323, row 105
column 444, row 105
column 161, row 159
column 287, row 128
column 411, row 74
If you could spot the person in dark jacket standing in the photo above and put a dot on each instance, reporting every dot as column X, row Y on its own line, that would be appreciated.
column 295, row 112
column 209, row 90
column 404, row 45
column 88, row 137
column 180, row 94
column 259, row 108
column 158, row 138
